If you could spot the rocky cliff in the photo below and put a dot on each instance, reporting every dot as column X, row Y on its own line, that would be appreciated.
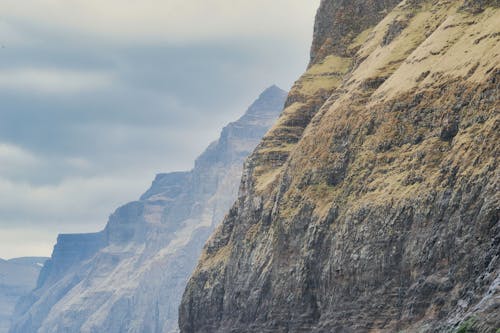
column 17, row 278
column 130, row 277
column 373, row 204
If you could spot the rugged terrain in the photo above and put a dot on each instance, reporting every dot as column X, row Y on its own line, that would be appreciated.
column 373, row 204
column 130, row 277
column 17, row 279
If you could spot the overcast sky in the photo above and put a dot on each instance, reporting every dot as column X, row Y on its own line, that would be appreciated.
column 97, row 96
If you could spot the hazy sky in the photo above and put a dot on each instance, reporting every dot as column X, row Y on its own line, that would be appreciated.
column 97, row 96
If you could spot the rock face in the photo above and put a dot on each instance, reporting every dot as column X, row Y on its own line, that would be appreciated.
column 69, row 251
column 17, row 278
column 130, row 277
column 373, row 204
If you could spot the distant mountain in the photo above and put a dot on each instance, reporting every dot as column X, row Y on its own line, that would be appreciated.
column 130, row 276
column 17, row 278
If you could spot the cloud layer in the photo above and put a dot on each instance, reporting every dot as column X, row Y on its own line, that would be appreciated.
column 52, row 81
column 96, row 97
column 176, row 21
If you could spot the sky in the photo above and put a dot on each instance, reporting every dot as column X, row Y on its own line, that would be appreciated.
column 96, row 97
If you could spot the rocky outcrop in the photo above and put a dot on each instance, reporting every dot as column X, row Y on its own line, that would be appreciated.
column 17, row 279
column 373, row 204
column 69, row 251
column 130, row 277
column 338, row 23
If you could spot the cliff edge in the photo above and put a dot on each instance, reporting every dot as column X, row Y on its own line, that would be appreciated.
column 373, row 204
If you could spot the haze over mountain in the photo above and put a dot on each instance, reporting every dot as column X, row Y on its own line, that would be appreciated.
column 17, row 279
column 130, row 276
column 94, row 103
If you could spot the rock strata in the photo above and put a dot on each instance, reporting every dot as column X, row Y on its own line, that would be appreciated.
column 373, row 204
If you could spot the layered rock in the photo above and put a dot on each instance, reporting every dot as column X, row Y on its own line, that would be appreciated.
column 17, row 278
column 130, row 277
column 69, row 251
column 373, row 204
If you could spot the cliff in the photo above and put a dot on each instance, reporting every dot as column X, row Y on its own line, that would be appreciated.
column 17, row 279
column 373, row 204
column 130, row 277
column 69, row 251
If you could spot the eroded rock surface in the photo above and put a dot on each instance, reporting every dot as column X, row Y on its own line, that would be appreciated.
column 373, row 204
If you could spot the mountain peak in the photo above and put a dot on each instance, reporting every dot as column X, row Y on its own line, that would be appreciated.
column 272, row 92
column 269, row 104
column 273, row 89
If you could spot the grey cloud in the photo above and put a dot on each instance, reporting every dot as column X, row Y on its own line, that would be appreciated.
column 132, row 107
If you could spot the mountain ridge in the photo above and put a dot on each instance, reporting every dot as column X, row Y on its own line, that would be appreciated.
column 130, row 276
column 372, row 204
column 18, row 277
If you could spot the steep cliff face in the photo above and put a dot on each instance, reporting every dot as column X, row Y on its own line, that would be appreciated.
column 17, row 279
column 373, row 203
column 339, row 23
column 70, row 250
column 130, row 277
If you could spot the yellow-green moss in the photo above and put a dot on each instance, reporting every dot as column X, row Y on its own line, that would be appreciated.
column 209, row 261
